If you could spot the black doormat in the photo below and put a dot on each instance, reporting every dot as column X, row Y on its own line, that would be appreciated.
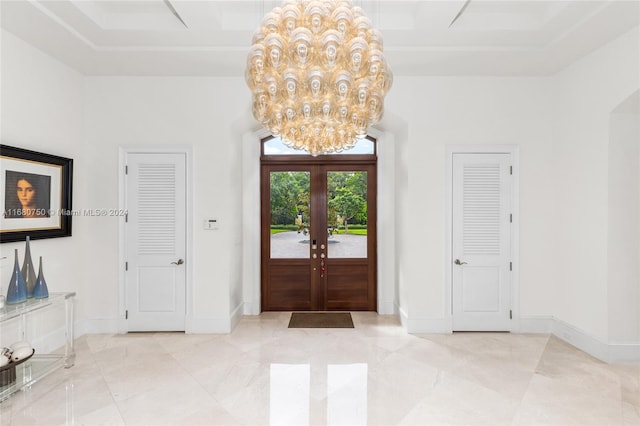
column 321, row 320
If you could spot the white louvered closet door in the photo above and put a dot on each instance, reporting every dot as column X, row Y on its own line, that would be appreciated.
column 481, row 249
column 156, row 242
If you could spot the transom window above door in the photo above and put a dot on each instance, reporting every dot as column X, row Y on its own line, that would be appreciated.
column 274, row 146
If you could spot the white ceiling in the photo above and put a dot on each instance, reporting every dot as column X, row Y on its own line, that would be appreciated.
column 211, row 37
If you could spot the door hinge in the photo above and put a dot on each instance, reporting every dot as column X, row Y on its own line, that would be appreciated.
column 510, row 217
column 126, row 266
column 511, row 266
column 126, row 218
column 126, row 170
column 510, row 314
column 126, row 314
column 510, row 170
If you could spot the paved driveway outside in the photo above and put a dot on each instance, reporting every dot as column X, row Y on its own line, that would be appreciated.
column 294, row 245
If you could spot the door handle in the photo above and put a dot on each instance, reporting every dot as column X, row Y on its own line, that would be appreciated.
column 179, row 262
column 457, row 262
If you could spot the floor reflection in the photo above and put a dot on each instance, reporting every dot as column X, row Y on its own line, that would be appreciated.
column 264, row 373
column 347, row 394
column 290, row 393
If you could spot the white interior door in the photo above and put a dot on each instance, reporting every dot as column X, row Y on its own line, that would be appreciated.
column 156, row 241
column 481, row 246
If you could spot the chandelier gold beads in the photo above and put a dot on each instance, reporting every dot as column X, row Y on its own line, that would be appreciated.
column 318, row 74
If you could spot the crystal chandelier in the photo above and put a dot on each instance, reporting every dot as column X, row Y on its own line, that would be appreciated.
column 317, row 74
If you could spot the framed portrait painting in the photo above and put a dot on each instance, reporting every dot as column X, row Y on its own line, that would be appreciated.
column 36, row 195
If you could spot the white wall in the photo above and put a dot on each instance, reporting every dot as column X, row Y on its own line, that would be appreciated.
column 43, row 110
column 401, row 225
column 186, row 111
column 469, row 110
column 585, row 94
column 175, row 112
column 624, row 223
column 560, row 123
column 49, row 107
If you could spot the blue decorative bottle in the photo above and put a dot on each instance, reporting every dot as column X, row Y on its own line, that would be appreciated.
column 40, row 291
column 17, row 291
column 28, row 273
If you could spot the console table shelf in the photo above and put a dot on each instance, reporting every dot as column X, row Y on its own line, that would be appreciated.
column 40, row 364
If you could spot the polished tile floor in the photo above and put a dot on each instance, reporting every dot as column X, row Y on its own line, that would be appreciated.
column 264, row 373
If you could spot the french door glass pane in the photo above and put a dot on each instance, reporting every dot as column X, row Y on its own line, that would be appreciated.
column 347, row 214
column 290, row 215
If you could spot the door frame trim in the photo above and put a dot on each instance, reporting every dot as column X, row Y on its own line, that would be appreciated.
column 387, row 285
column 123, row 151
column 318, row 171
column 514, row 151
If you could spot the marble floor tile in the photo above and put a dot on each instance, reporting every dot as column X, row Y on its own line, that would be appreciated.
column 376, row 374
column 455, row 400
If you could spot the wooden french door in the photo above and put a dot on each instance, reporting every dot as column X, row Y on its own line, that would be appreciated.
column 318, row 236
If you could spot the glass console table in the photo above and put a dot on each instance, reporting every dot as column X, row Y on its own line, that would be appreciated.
column 19, row 318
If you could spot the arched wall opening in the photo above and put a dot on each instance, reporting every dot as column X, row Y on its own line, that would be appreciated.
column 389, row 151
column 624, row 222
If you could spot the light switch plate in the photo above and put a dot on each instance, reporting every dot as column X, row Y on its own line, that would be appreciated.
column 211, row 224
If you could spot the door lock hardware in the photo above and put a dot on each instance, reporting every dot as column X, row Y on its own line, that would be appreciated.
column 179, row 262
column 457, row 262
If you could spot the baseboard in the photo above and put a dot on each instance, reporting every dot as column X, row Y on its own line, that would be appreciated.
column 236, row 316
column 424, row 325
column 614, row 352
column 580, row 339
column 403, row 315
column 193, row 325
column 534, row 324
column 624, row 352
column 387, row 307
column 251, row 308
column 101, row 326
column 51, row 341
column 208, row 325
